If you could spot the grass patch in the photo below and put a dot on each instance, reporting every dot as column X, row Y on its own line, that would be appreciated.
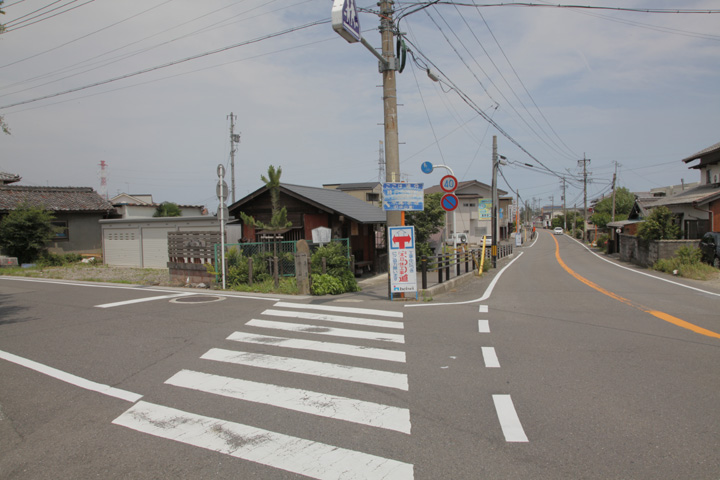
column 287, row 286
column 687, row 263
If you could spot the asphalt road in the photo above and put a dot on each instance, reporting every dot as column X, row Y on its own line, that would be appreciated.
column 559, row 364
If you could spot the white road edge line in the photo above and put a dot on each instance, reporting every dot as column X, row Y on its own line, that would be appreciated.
column 141, row 300
column 277, row 450
column 486, row 295
column 490, row 357
column 70, row 378
column 509, row 420
column 140, row 289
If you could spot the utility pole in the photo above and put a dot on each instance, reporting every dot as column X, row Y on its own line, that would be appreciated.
column 552, row 208
column 381, row 163
column 392, row 150
column 613, row 190
column 564, row 207
column 585, row 174
column 234, row 138
column 494, row 222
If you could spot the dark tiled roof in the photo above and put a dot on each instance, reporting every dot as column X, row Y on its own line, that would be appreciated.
column 357, row 186
column 340, row 202
column 58, row 199
column 706, row 151
column 8, row 178
column 699, row 195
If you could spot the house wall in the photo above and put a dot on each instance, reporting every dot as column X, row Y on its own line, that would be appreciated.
column 714, row 207
column 84, row 234
column 147, row 211
column 710, row 174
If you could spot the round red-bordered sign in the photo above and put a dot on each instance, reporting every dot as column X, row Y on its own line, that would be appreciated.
column 448, row 183
column 449, row 202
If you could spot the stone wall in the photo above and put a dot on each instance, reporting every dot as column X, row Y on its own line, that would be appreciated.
column 634, row 251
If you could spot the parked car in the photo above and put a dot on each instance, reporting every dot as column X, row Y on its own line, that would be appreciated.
column 710, row 248
column 558, row 231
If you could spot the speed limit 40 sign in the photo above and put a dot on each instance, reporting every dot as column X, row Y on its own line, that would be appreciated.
column 448, row 183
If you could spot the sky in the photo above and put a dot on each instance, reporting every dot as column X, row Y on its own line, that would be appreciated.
column 148, row 86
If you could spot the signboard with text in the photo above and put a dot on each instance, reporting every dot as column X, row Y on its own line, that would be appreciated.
column 403, row 274
column 403, row 197
column 345, row 20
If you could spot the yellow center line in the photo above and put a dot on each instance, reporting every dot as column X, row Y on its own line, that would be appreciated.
column 661, row 315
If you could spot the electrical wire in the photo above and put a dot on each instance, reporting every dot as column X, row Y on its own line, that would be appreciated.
column 170, row 64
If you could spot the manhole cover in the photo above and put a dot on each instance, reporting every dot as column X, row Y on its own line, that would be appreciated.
column 197, row 299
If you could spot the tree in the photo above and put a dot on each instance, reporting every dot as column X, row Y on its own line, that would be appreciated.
column 168, row 209
column 426, row 223
column 659, row 225
column 278, row 219
column 624, row 201
column 429, row 221
column 25, row 232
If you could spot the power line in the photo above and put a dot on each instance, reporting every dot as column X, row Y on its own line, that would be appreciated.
column 170, row 64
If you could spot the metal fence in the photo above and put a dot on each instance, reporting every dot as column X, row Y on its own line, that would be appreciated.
column 449, row 265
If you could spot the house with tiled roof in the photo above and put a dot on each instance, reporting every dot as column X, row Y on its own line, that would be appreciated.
column 311, row 207
column 698, row 209
column 77, row 211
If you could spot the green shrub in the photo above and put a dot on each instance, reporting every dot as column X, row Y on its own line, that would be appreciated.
column 338, row 277
column 238, row 271
column 602, row 240
column 687, row 262
column 48, row 259
column 25, row 231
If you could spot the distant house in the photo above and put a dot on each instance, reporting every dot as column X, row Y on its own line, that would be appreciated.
column 698, row 209
column 311, row 207
column 473, row 214
column 142, row 206
column 77, row 212
column 370, row 192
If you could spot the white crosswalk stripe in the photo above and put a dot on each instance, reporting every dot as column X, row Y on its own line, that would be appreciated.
column 336, row 332
column 305, row 457
column 309, row 457
column 339, row 348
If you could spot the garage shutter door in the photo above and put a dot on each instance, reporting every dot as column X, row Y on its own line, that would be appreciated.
column 155, row 247
column 122, row 247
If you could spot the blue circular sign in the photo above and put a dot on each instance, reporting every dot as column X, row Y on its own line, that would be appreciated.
column 449, row 202
column 426, row 167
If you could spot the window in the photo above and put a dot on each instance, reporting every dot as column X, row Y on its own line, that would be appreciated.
column 61, row 230
column 372, row 197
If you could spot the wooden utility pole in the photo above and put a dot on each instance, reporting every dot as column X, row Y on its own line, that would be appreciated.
column 585, row 174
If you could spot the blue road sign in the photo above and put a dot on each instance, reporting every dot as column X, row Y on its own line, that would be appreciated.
column 403, row 197
column 427, row 167
column 449, row 202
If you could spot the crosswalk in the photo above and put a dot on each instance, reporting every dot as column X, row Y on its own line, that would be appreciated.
column 337, row 353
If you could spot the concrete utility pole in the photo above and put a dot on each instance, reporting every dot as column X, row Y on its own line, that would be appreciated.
column 234, row 138
column 387, row 68
column 564, row 208
column 585, row 174
column 613, row 189
column 494, row 221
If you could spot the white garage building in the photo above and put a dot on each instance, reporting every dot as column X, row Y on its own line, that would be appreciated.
column 143, row 242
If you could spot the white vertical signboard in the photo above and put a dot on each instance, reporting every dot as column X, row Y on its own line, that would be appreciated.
column 403, row 274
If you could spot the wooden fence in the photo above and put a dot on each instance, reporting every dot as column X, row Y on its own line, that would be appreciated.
column 189, row 254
